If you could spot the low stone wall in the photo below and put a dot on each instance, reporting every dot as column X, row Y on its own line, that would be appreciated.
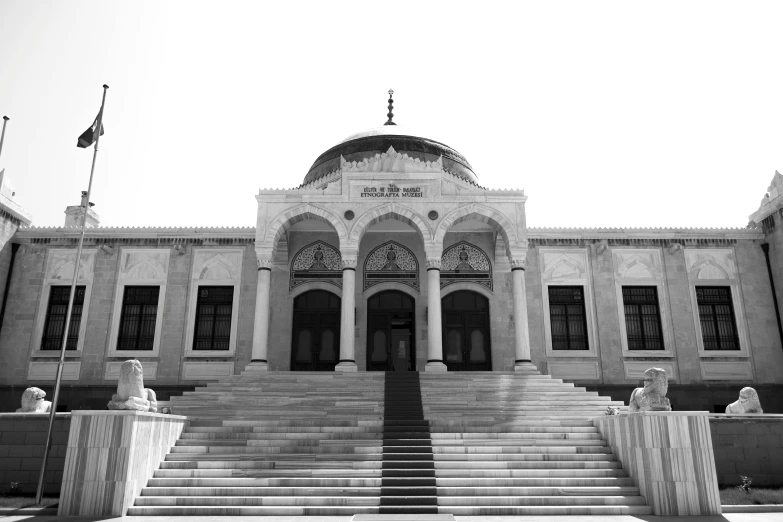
column 749, row 445
column 81, row 397
column 111, row 456
column 669, row 455
column 22, row 438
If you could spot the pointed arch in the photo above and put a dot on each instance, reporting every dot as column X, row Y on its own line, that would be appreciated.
column 305, row 211
column 482, row 213
column 389, row 211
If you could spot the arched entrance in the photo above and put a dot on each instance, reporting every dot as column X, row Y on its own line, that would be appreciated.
column 316, row 334
column 466, row 345
column 391, row 343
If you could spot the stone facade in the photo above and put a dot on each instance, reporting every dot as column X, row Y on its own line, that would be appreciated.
column 439, row 211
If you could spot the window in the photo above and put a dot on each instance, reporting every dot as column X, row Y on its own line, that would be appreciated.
column 213, row 318
column 137, row 319
column 55, row 318
column 716, row 314
column 567, row 317
column 642, row 318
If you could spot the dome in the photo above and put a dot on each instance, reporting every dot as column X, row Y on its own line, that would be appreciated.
column 378, row 140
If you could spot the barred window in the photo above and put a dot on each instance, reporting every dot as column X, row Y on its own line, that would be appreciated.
column 642, row 318
column 213, row 318
column 138, row 317
column 55, row 318
column 567, row 317
column 716, row 313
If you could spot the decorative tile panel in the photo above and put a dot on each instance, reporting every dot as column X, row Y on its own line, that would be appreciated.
column 60, row 269
column 574, row 370
column 206, row 371
column 636, row 369
column 726, row 371
column 564, row 266
column 637, row 264
column 465, row 263
column 144, row 265
column 211, row 265
column 47, row 371
column 112, row 370
column 391, row 262
column 317, row 261
column 710, row 263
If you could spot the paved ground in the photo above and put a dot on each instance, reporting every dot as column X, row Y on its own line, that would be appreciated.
column 733, row 517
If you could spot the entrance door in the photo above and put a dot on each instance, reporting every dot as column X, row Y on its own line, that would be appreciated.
column 466, row 344
column 316, row 334
column 390, row 332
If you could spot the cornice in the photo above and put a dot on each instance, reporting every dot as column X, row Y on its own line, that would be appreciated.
column 645, row 233
column 203, row 233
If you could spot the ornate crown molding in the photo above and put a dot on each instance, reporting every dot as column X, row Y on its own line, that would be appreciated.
column 391, row 161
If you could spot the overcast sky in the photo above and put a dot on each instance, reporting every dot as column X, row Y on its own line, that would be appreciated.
column 606, row 113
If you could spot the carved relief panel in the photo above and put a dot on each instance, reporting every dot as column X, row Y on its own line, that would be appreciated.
column 465, row 263
column 317, row 261
column 710, row 263
column 391, row 263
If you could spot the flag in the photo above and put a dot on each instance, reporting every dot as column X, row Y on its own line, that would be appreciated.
column 89, row 136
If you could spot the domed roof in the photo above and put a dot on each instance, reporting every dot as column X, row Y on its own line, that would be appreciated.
column 378, row 140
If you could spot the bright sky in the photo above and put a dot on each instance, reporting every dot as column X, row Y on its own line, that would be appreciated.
column 606, row 113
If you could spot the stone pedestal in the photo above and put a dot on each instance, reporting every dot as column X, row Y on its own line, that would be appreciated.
column 111, row 455
column 669, row 455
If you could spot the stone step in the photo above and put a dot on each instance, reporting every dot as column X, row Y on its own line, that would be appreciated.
column 313, row 459
column 561, row 500
column 226, row 501
column 359, row 477
column 292, row 511
column 289, row 449
column 446, row 486
column 547, row 510
column 241, row 466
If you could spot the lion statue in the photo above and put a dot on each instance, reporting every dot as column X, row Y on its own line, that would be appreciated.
column 748, row 402
column 131, row 393
column 33, row 402
column 653, row 396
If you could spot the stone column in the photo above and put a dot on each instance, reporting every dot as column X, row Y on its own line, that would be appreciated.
column 348, row 318
column 522, row 360
column 434, row 326
column 258, row 361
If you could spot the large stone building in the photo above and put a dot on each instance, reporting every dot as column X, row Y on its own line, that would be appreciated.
column 391, row 256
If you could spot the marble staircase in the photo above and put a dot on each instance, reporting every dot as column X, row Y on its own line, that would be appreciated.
column 522, row 444
column 276, row 443
column 319, row 444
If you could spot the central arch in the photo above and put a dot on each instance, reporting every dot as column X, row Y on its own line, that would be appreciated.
column 384, row 212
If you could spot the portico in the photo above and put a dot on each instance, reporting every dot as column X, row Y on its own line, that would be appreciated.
column 384, row 222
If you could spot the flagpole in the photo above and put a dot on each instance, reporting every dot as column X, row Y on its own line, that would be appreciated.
column 2, row 136
column 60, row 365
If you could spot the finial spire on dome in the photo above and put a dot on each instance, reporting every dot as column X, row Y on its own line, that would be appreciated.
column 391, row 107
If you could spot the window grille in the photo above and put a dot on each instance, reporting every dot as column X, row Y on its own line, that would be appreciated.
column 213, row 318
column 642, row 318
column 716, row 314
column 138, row 317
column 55, row 318
column 567, row 317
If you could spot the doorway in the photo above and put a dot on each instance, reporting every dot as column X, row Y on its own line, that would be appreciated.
column 391, row 336
column 466, row 344
column 315, row 345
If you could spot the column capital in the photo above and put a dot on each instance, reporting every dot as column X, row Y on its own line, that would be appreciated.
column 264, row 263
column 433, row 262
column 517, row 262
column 349, row 262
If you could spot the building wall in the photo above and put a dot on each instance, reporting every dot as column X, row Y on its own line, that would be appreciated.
column 91, row 367
column 609, row 368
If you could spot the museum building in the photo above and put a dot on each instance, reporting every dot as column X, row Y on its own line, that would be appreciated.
column 391, row 256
